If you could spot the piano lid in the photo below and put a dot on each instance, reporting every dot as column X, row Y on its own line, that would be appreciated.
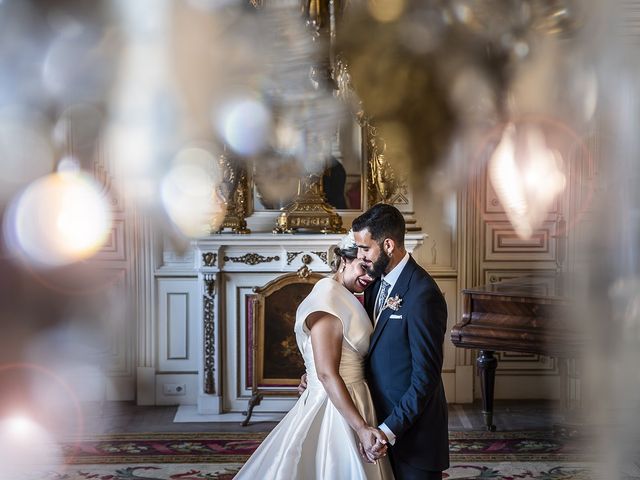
column 532, row 286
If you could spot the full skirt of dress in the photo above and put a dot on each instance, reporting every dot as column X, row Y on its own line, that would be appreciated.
column 314, row 441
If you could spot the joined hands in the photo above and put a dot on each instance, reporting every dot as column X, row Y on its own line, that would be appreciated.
column 373, row 443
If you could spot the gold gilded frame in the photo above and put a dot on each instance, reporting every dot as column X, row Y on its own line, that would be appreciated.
column 256, row 328
column 382, row 184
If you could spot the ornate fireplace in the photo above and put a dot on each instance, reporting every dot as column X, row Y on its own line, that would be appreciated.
column 238, row 274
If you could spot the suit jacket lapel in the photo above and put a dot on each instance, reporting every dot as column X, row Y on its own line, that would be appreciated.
column 400, row 288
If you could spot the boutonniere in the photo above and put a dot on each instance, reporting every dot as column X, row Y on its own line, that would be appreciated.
column 393, row 303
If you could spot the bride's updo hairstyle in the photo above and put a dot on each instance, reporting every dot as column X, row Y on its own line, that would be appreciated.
column 346, row 251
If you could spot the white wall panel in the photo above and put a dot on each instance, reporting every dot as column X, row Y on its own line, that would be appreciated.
column 177, row 322
column 177, row 326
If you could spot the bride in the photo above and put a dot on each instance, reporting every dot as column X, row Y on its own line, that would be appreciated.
column 330, row 430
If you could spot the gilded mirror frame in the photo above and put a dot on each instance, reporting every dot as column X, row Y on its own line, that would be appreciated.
column 380, row 182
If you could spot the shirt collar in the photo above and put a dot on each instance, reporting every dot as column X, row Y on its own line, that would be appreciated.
column 392, row 277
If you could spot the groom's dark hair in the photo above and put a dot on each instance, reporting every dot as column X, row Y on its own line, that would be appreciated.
column 382, row 221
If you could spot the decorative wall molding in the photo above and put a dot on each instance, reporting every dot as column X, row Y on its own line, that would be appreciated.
column 502, row 243
column 118, row 263
column 145, row 294
column 172, row 264
column 115, row 247
column 178, row 321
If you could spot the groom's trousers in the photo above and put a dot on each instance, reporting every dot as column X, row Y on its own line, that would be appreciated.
column 404, row 471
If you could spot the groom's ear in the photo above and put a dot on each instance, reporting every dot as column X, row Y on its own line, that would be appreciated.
column 389, row 246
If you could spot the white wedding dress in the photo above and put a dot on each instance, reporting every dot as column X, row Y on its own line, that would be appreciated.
column 313, row 441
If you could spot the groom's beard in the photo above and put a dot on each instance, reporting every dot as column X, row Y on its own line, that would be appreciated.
column 379, row 267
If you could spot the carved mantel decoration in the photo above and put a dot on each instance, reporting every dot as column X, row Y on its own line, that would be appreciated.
column 291, row 256
column 209, row 259
column 208, row 330
column 323, row 256
column 210, row 284
column 304, row 271
column 306, row 259
column 252, row 259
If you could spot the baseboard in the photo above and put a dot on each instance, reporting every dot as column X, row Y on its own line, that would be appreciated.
column 189, row 414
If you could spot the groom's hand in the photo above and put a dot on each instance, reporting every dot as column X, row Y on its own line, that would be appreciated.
column 303, row 384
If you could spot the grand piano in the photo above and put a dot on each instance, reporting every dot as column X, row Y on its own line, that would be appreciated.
column 530, row 314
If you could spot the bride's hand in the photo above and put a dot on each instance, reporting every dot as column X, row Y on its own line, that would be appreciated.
column 303, row 384
column 373, row 442
column 381, row 446
column 364, row 455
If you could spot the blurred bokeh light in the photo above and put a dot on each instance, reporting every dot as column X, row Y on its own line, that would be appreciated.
column 26, row 447
column 245, row 125
column 116, row 113
column 527, row 176
column 58, row 219
column 189, row 192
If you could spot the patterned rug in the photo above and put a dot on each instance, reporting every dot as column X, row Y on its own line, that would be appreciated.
column 178, row 471
column 218, row 456
column 237, row 447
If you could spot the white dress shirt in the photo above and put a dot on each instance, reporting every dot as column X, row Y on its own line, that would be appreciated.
column 391, row 278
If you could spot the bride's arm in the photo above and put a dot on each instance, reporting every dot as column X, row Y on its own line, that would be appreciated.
column 326, row 339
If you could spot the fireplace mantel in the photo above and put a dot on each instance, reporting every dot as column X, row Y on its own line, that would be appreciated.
column 228, row 267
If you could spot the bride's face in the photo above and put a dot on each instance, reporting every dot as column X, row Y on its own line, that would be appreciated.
column 355, row 277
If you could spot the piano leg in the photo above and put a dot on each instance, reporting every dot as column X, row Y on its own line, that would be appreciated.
column 487, row 364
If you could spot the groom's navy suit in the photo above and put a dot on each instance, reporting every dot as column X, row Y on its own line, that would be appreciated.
column 404, row 367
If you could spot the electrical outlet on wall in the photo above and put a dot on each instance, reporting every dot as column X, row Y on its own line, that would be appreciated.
column 174, row 389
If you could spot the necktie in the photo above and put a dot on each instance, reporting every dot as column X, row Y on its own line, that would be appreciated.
column 382, row 297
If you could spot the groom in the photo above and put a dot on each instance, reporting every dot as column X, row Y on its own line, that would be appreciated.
column 404, row 362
